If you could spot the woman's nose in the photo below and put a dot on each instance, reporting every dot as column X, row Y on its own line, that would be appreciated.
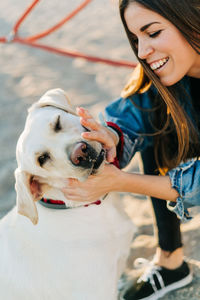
column 144, row 49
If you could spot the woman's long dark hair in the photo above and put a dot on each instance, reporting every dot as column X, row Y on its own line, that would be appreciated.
column 185, row 15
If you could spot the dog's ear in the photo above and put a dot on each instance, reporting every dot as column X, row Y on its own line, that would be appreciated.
column 56, row 98
column 25, row 199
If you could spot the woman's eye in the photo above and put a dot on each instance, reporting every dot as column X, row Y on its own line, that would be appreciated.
column 155, row 34
column 42, row 159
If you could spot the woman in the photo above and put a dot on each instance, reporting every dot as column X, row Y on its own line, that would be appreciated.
column 158, row 115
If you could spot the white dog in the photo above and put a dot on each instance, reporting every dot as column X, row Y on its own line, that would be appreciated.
column 76, row 253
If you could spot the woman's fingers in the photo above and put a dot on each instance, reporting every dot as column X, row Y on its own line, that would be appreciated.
column 100, row 136
column 94, row 187
column 98, row 133
column 111, row 154
column 76, row 193
column 105, row 139
column 87, row 120
column 90, row 123
column 82, row 112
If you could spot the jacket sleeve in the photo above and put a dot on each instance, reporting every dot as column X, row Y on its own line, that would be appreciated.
column 130, row 117
column 186, row 180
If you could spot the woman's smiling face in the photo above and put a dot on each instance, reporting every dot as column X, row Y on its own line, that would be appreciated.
column 161, row 45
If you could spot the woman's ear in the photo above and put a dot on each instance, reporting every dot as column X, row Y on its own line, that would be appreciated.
column 25, row 197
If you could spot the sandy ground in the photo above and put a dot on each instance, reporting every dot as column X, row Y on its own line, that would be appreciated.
column 27, row 73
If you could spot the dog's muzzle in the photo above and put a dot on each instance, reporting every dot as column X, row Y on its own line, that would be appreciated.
column 85, row 156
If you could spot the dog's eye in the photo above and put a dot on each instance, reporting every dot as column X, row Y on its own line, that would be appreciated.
column 57, row 126
column 42, row 159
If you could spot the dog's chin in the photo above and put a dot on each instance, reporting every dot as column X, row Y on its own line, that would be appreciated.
column 95, row 168
column 99, row 163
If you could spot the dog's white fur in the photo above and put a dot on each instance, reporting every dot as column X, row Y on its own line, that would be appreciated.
column 72, row 254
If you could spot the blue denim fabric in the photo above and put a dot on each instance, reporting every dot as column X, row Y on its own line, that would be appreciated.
column 135, row 122
column 186, row 180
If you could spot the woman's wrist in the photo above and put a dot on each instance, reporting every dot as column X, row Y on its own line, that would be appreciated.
column 118, row 181
column 122, row 181
column 112, row 178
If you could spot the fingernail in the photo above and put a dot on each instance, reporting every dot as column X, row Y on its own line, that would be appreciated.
column 80, row 108
column 110, row 159
column 83, row 120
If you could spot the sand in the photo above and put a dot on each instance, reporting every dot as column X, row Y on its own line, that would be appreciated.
column 27, row 73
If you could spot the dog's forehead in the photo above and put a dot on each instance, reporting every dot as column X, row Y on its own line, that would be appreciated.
column 49, row 111
column 40, row 125
column 48, row 115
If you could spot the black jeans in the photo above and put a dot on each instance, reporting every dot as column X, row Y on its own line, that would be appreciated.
column 168, row 225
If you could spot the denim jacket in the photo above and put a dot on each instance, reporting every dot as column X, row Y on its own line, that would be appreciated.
column 132, row 123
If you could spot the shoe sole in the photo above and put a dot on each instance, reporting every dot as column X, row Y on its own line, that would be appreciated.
column 157, row 295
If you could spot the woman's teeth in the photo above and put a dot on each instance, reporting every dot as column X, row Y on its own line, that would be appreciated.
column 158, row 64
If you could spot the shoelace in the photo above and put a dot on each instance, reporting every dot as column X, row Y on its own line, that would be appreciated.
column 151, row 270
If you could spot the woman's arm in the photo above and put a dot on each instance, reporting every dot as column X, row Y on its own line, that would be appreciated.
column 112, row 179
column 180, row 185
column 149, row 185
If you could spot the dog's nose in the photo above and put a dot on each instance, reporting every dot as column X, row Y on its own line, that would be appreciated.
column 83, row 155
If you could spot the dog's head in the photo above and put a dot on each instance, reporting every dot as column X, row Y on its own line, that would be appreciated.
column 51, row 149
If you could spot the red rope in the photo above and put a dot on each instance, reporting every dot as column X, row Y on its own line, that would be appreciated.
column 121, row 63
column 57, row 26
column 30, row 41
column 25, row 14
column 3, row 40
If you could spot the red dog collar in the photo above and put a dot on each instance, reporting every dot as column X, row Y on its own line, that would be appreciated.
column 58, row 204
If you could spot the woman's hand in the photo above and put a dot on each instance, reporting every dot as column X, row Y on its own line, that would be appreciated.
column 98, row 133
column 94, row 187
